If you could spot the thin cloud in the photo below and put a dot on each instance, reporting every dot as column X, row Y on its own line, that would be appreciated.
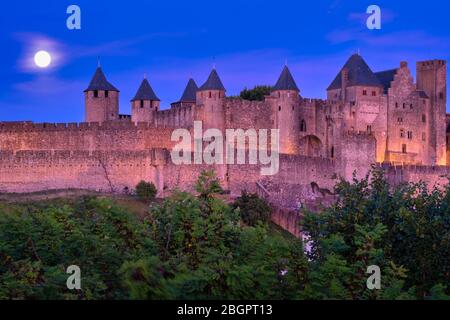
column 45, row 85
column 62, row 53
column 403, row 39
column 121, row 47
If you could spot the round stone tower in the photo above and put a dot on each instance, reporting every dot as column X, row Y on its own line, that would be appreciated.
column 145, row 104
column 101, row 99
column 210, row 99
column 286, row 101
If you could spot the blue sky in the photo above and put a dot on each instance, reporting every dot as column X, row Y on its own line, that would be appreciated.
column 170, row 41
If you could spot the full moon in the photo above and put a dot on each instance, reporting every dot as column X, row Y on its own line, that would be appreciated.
column 42, row 59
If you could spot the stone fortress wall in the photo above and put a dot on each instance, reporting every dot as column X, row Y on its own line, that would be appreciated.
column 368, row 118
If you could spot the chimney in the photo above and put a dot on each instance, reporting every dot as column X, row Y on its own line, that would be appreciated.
column 403, row 64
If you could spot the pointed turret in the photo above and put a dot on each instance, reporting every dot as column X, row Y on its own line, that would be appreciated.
column 286, row 81
column 210, row 97
column 213, row 82
column 145, row 103
column 189, row 92
column 286, row 101
column 188, row 98
column 99, row 82
column 145, row 92
column 101, row 99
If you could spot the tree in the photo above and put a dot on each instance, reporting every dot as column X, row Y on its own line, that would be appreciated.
column 256, row 94
column 146, row 191
column 207, row 184
column 253, row 209
column 403, row 230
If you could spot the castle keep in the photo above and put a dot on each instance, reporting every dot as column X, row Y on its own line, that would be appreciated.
column 383, row 118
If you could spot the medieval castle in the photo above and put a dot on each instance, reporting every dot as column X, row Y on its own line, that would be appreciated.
column 383, row 118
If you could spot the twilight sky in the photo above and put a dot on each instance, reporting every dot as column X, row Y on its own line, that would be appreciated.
column 248, row 41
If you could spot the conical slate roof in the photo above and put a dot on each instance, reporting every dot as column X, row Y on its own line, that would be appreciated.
column 189, row 93
column 359, row 74
column 99, row 82
column 286, row 81
column 145, row 92
column 213, row 82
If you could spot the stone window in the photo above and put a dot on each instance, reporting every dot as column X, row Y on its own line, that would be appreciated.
column 404, row 105
column 441, row 95
column 411, row 106
column 279, row 108
column 364, row 92
column 410, row 135
column 424, row 118
column 374, row 93
column 396, row 104
column 95, row 93
column 369, row 129
column 302, row 126
column 142, row 103
column 400, row 120
column 332, row 152
column 402, row 133
column 106, row 94
column 210, row 94
column 404, row 148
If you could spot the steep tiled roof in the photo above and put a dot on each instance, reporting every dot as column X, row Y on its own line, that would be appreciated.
column 213, row 82
column 386, row 77
column 286, row 81
column 99, row 82
column 189, row 93
column 145, row 92
column 359, row 74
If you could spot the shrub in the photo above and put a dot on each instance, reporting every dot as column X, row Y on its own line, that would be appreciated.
column 208, row 184
column 146, row 191
column 253, row 209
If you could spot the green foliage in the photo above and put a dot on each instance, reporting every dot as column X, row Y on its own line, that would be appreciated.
column 208, row 185
column 403, row 230
column 38, row 243
column 196, row 247
column 146, row 191
column 253, row 209
column 256, row 94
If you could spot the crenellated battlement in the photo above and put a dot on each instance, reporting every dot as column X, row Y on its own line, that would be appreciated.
column 74, row 126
